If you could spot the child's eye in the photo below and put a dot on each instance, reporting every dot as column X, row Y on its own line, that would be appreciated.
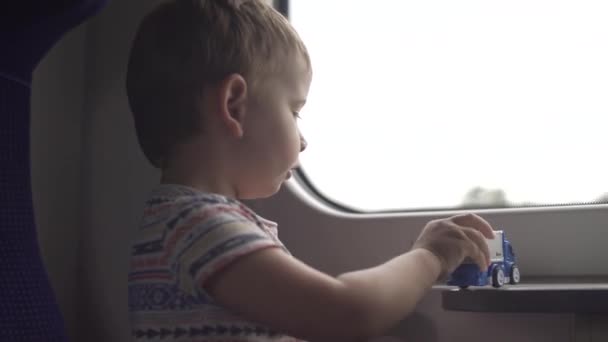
column 297, row 115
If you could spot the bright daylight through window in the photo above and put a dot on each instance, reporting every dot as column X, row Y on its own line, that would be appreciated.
column 450, row 104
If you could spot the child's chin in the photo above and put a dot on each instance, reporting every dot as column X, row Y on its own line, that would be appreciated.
column 270, row 192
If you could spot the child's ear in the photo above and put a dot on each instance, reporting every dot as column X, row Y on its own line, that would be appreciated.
column 233, row 105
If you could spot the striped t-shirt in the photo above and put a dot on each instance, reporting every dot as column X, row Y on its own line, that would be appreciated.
column 184, row 238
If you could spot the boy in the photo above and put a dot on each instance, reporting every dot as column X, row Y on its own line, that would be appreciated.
column 215, row 88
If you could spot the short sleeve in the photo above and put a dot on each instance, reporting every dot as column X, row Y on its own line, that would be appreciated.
column 213, row 236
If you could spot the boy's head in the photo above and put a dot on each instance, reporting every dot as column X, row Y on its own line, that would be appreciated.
column 184, row 47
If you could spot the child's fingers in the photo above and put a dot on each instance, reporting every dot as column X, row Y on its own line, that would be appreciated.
column 476, row 222
column 480, row 251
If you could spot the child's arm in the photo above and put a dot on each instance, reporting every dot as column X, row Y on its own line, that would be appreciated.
column 276, row 289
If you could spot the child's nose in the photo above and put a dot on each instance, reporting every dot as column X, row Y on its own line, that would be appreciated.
column 303, row 143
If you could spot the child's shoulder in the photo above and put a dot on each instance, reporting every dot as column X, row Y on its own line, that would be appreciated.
column 178, row 204
column 181, row 195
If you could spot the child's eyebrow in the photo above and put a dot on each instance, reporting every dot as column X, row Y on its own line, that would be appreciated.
column 300, row 103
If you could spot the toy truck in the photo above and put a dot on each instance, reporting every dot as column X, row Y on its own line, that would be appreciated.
column 502, row 269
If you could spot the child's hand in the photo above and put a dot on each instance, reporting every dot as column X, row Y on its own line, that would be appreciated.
column 455, row 238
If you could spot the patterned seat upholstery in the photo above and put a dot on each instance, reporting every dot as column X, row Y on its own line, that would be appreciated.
column 28, row 29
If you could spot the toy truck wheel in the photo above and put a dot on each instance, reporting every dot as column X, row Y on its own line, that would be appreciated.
column 498, row 277
column 514, row 277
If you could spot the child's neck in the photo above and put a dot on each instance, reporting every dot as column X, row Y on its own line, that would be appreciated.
column 202, row 164
column 205, row 181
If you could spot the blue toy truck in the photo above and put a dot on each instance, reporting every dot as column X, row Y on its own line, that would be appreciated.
column 502, row 268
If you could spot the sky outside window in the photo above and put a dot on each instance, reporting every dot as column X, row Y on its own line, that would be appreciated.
column 434, row 104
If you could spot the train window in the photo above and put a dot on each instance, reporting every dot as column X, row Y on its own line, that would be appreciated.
column 442, row 104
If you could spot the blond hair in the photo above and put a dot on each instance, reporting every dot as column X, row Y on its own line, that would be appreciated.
column 183, row 46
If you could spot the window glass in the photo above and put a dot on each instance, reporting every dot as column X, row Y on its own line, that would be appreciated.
column 450, row 104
